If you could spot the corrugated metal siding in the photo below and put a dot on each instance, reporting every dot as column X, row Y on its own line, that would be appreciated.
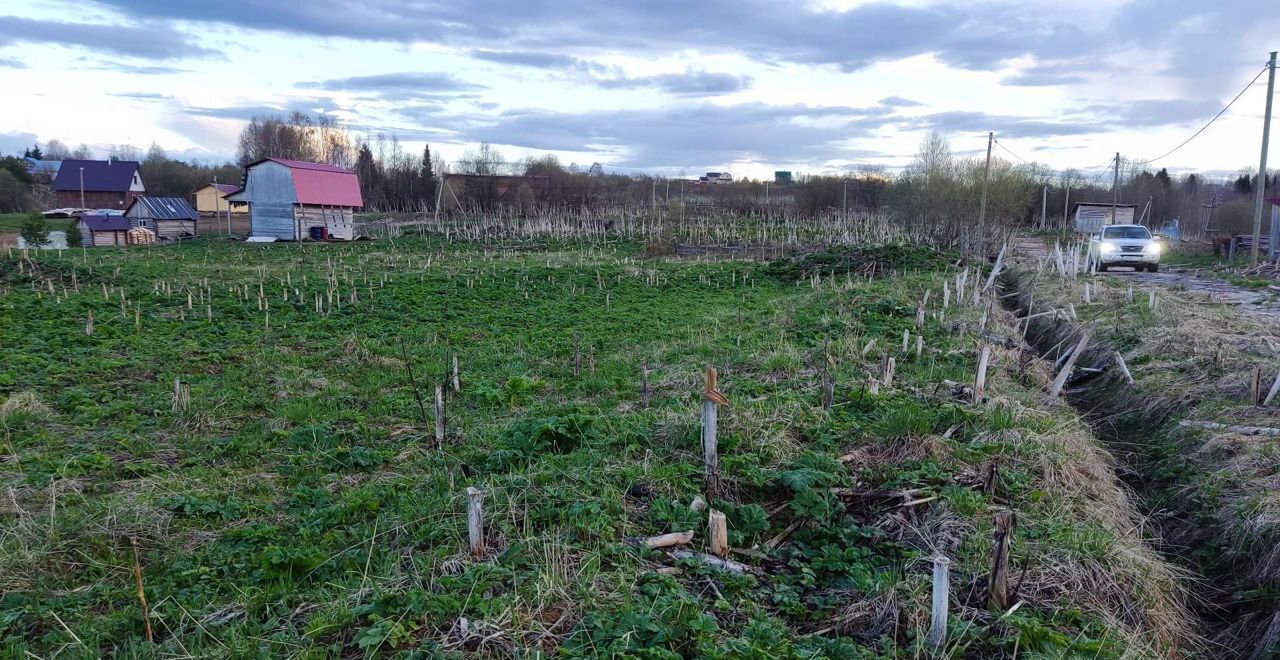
column 270, row 193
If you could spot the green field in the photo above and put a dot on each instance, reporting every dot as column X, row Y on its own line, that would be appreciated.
column 293, row 501
column 12, row 223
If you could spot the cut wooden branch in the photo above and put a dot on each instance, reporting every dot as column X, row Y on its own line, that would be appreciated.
column 665, row 540
column 1061, row 379
column 784, row 534
column 991, row 480
column 475, row 521
column 998, row 584
column 1275, row 389
column 455, row 380
column 711, row 397
column 142, row 594
column 439, row 437
column 718, row 534
column 1255, row 386
column 980, row 381
column 1124, row 368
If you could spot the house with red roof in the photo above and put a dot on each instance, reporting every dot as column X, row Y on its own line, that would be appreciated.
column 97, row 184
column 292, row 200
column 212, row 200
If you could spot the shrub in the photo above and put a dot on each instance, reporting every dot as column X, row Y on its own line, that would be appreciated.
column 35, row 231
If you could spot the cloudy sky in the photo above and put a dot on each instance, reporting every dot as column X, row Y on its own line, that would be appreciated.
column 673, row 87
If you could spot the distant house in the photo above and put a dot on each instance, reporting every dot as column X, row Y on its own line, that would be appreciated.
column 782, row 177
column 293, row 200
column 716, row 177
column 1091, row 217
column 212, row 200
column 96, row 230
column 171, row 218
column 98, row 184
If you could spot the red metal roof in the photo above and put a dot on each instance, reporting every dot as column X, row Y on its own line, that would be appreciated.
column 317, row 183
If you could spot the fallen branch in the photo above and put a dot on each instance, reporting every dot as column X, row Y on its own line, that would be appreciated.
column 664, row 540
column 713, row 561
column 1231, row 428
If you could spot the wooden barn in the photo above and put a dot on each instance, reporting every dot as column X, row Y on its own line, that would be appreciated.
column 212, row 200
column 96, row 230
column 171, row 218
column 293, row 200
column 97, row 184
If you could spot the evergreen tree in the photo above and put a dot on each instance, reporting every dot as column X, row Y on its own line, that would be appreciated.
column 427, row 179
column 74, row 236
column 34, row 230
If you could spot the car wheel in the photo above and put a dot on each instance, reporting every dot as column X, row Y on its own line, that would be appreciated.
column 1102, row 268
column 1153, row 268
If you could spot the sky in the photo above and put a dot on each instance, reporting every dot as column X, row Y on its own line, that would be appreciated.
column 674, row 88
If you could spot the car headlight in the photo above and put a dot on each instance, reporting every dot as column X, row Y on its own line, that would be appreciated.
column 1154, row 249
column 1107, row 248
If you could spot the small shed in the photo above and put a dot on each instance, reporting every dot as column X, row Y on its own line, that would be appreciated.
column 212, row 200
column 1275, row 228
column 96, row 230
column 293, row 200
column 1091, row 217
column 171, row 218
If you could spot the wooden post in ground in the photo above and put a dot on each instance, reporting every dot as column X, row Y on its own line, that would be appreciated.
column 1255, row 387
column 718, row 533
column 644, row 384
column 999, row 580
column 456, row 381
column 475, row 520
column 890, row 365
column 439, row 437
column 711, row 399
column 980, row 381
column 941, row 599
column 1061, row 380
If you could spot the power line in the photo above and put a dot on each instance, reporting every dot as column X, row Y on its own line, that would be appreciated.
column 1202, row 128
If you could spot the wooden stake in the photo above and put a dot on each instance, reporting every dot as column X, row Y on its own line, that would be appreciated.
column 1255, row 387
column 88, row 324
column 711, row 397
column 142, row 594
column 1275, row 388
column 941, row 599
column 1124, row 369
column 1061, row 380
column 439, row 416
column 998, row 584
column 980, row 381
column 644, row 384
column 456, row 382
column 475, row 518
column 718, row 533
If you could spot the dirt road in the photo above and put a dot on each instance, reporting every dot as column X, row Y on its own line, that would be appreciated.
column 1261, row 303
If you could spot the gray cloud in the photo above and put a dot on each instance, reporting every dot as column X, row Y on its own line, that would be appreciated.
column 141, row 96
column 425, row 82
column 135, row 70
column 691, row 82
column 1008, row 126
column 152, row 41
column 898, row 102
column 246, row 112
column 12, row 63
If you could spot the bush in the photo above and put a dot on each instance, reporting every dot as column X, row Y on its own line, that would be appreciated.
column 35, row 231
column 73, row 235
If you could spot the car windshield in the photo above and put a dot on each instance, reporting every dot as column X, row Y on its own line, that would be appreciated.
column 1126, row 232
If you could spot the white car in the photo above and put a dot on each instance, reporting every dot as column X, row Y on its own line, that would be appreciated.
column 1125, row 245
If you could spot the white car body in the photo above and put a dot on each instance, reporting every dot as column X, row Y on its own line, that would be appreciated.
column 1125, row 245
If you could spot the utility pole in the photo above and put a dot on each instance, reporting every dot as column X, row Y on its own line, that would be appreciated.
column 82, row 187
column 1115, row 190
column 844, row 199
column 986, row 176
column 766, row 199
column 1262, row 164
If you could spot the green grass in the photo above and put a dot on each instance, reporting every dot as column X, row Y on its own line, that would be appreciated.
column 298, row 507
column 12, row 222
